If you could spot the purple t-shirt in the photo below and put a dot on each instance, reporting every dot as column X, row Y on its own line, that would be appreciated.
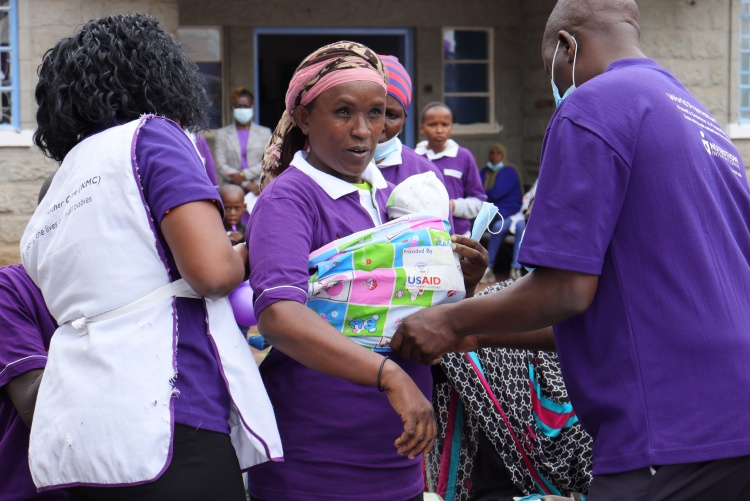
column 639, row 185
column 172, row 174
column 25, row 331
column 461, row 177
column 337, row 436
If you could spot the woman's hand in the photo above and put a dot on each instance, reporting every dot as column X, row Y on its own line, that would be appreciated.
column 414, row 409
column 474, row 261
column 236, row 178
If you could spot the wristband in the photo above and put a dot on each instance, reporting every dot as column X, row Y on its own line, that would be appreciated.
column 380, row 373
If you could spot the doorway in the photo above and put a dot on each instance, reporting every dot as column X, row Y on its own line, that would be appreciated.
column 278, row 51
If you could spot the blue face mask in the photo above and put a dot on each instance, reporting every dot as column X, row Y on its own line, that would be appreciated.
column 495, row 167
column 382, row 150
column 486, row 214
column 243, row 115
column 555, row 90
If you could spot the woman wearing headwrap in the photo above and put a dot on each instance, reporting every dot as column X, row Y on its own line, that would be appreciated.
column 354, row 424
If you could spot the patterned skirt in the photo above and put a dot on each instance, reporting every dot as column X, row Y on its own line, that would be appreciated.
column 517, row 399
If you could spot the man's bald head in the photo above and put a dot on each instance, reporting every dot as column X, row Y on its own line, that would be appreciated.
column 596, row 17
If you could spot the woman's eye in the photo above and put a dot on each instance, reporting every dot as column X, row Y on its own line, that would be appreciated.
column 391, row 116
column 376, row 112
column 342, row 111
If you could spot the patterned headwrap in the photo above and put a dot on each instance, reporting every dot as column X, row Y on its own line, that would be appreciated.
column 328, row 66
column 399, row 82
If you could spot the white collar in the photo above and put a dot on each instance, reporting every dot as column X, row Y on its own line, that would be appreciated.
column 392, row 159
column 333, row 186
column 451, row 150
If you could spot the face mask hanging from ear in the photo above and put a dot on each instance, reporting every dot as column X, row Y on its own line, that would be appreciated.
column 555, row 90
column 482, row 222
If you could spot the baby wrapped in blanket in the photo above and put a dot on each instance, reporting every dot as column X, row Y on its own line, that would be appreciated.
column 365, row 284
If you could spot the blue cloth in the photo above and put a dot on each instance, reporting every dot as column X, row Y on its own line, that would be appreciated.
column 506, row 195
column 506, row 192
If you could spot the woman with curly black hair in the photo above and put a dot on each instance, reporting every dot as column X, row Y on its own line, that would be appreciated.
column 148, row 376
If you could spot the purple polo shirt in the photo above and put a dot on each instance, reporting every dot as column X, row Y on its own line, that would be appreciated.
column 337, row 436
column 25, row 331
column 461, row 177
column 640, row 186
column 172, row 174
column 411, row 164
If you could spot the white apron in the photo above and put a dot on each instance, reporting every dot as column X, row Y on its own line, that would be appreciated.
column 104, row 413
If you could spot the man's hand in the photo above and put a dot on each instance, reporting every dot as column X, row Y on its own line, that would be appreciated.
column 473, row 263
column 426, row 335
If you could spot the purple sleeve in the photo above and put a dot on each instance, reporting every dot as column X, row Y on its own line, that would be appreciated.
column 280, row 240
column 208, row 159
column 581, row 190
column 25, row 324
column 473, row 186
column 170, row 169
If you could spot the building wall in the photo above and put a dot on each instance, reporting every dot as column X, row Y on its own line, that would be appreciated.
column 426, row 18
column 23, row 167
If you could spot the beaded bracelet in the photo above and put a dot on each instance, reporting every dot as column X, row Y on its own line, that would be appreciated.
column 380, row 372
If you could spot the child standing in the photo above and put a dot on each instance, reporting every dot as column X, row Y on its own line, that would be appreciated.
column 233, row 198
column 456, row 163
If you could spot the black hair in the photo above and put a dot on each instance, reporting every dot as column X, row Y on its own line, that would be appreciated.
column 238, row 92
column 113, row 70
column 431, row 105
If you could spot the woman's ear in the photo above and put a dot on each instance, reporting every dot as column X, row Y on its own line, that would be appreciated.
column 301, row 117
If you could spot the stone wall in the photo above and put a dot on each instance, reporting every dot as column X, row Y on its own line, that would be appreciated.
column 23, row 168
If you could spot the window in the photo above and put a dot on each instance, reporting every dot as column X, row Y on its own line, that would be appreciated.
column 9, row 89
column 203, row 45
column 744, row 62
column 468, row 83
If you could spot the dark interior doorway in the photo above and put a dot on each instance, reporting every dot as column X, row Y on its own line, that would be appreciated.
column 279, row 51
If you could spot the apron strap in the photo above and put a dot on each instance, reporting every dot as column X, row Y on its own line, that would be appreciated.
column 178, row 288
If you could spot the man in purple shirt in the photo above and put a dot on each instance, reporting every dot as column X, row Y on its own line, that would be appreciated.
column 26, row 327
column 651, row 326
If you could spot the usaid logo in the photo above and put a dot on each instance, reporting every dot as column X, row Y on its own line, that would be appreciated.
column 422, row 277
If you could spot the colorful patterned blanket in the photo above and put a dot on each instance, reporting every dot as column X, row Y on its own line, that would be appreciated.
column 365, row 284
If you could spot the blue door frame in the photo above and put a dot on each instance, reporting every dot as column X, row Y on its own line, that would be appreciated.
column 406, row 38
